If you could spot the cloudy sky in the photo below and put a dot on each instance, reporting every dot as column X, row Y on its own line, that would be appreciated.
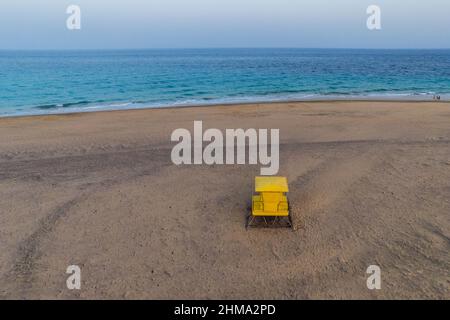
column 106, row 24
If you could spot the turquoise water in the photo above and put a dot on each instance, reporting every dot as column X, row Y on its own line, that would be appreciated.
column 39, row 82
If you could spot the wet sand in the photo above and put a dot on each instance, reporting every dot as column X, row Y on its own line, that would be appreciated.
column 369, row 181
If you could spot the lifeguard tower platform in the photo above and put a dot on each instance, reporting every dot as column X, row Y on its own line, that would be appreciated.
column 270, row 207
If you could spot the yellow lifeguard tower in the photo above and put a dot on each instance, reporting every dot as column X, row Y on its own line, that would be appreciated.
column 271, row 204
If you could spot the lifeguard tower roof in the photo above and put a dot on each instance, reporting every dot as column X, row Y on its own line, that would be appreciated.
column 271, row 184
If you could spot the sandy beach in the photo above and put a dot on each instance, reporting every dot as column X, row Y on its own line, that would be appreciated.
column 369, row 185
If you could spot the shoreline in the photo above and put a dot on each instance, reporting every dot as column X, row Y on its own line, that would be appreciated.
column 231, row 104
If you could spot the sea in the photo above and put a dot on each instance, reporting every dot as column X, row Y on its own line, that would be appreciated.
column 52, row 82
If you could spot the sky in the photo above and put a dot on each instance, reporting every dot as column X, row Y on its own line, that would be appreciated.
column 116, row 24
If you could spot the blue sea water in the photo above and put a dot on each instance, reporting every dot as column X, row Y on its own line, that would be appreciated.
column 39, row 82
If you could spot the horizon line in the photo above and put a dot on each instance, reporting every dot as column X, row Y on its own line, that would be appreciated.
column 215, row 48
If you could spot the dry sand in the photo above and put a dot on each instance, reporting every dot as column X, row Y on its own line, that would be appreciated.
column 370, row 184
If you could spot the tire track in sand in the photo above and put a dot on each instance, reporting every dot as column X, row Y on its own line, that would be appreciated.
column 321, row 186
